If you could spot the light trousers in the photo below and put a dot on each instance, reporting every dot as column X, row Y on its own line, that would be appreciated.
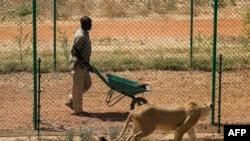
column 81, row 83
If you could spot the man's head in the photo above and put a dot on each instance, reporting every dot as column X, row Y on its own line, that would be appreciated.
column 86, row 23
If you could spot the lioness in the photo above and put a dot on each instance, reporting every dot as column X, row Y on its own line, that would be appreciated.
column 148, row 118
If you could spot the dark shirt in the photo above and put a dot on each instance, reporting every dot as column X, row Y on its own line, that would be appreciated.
column 81, row 48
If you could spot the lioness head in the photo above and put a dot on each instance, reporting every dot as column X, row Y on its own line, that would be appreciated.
column 203, row 108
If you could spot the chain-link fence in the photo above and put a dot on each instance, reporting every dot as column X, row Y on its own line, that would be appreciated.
column 166, row 44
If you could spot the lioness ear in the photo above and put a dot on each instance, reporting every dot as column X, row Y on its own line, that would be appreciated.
column 211, row 106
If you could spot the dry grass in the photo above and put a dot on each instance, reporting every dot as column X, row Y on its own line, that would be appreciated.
column 69, row 9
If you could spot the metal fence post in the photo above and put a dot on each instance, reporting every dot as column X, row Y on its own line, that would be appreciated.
column 214, row 60
column 34, row 65
column 38, row 98
column 191, row 34
column 219, row 95
column 54, row 16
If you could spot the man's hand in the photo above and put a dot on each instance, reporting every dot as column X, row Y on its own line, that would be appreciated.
column 89, row 67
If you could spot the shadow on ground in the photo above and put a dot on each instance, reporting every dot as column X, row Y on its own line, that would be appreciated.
column 110, row 116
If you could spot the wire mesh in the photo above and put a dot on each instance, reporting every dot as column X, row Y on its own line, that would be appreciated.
column 144, row 41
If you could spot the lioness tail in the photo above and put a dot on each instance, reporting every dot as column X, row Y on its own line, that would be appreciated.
column 129, row 119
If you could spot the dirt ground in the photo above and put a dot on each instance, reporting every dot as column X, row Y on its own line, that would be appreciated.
column 115, row 29
column 167, row 88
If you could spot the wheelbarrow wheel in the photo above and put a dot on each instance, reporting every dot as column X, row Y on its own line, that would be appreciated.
column 137, row 102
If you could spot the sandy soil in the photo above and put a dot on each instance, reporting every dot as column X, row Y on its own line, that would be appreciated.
column 167, row 88
column 133, row 29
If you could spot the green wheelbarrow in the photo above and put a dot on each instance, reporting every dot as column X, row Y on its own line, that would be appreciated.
column 125, row 87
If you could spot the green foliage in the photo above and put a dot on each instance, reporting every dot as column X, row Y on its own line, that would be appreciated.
column 170, row 63
column 245, row 38
column 86, row 134
column 202, row 64
column 14, row 66
column 122, row 60
column 113, row 132
column 112, row 8
column 235, row 49
column 202, row 43
column 171, row 5
column 22, row 37
column 65, row 46
column 69, row 135
column 22, row 10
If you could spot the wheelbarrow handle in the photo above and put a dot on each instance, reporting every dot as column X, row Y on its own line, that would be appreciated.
column 100, row 76
column 144, row 86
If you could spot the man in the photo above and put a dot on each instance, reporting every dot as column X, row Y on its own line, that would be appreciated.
column 79, row 65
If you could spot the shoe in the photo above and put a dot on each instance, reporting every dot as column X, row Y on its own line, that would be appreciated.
column 82, row 114
column 69, row 104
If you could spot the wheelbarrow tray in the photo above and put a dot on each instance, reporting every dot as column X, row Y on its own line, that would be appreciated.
column 125, row 86
column 122, row 85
